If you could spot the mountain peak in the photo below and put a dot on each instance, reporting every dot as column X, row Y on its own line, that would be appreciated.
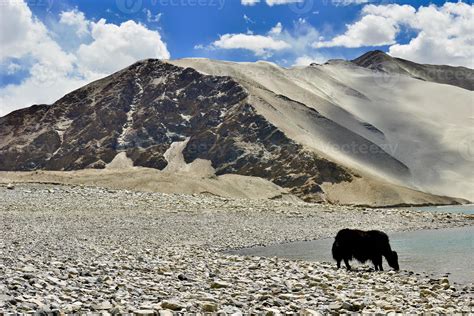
column 372, row 59
column 243, row 118
column 378, row 60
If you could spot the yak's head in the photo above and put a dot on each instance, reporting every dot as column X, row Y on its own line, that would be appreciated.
column 392, row 260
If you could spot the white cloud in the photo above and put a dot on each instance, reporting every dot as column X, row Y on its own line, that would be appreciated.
column 395, row 12
column 378, row 25
column 308, row 60
column 279, row 2
column 116, row 46
column 250, row 2
column 371, row 30
column 13, row 68
column 37, row 90
column 23, row 36
column 77, row 20
column 248, row 20
column 443, row 34
column 259, row 44
column 300, row 37
column 288, row 44
column 278, row 40
column 276, row 30
column 153, row 18
column 18, row 28
column 348, row 2
column 55, row 72
column 270, row 2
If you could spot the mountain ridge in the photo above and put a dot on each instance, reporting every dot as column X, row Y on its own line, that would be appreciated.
column 459, row 76
column 242, row 123
column 209, row 139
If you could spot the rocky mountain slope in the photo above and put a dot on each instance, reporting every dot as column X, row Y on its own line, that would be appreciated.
column 422, row 130
column 456, row 76
column 299, row 128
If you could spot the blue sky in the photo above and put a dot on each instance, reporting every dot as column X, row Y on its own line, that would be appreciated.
column 64, row 44
column 183, row 24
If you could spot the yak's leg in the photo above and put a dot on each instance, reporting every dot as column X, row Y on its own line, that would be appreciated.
column 346, row 261
column 375, row 265
column 338, row 264
column 378, row 263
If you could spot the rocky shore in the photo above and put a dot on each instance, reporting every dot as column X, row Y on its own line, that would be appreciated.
column 71, row 249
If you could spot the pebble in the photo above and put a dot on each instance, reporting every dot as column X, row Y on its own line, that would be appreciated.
column 91, row 250
column 209, row 307
column 144, row 312
column 172, row 305
column 219, row 285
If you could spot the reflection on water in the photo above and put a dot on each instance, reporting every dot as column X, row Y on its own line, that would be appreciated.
column 438, row 252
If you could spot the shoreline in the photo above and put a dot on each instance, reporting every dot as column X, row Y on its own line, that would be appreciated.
column 119, row 176
column 318, row 250
column 83, row 249
column 394, row 206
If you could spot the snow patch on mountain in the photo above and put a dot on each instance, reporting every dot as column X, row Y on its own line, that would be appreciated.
column 128, row 126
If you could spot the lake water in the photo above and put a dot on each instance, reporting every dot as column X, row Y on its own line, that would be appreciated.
column 466, row 209
column 439, row 252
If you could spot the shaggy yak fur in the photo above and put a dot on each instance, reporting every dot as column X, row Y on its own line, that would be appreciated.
column 362, row 246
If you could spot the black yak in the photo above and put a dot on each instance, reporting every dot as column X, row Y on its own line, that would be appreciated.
column 362, row 246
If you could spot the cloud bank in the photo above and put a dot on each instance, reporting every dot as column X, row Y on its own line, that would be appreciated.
column 443, row 34
column 54, row 70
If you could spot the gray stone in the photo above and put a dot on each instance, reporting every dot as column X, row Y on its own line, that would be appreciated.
column 144, row 312
column 209, row 307
column 219, row 285
column 102, row 306
column 172, row 305
column 335, row 306
column 271, row 311
column 310, row 312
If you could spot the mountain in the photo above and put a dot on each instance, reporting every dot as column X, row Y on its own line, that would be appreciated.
column 322, row 132
column 456, row 76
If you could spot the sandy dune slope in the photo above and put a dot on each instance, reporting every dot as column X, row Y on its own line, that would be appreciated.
column 424, row 128
column 179, row 177
column 199, row 177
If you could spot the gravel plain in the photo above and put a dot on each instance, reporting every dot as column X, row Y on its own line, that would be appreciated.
column 66, row 249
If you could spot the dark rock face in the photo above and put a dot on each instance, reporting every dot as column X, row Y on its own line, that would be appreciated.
column 139, row 110
column 456, row 76
column 146, row 107
column 248, row 144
